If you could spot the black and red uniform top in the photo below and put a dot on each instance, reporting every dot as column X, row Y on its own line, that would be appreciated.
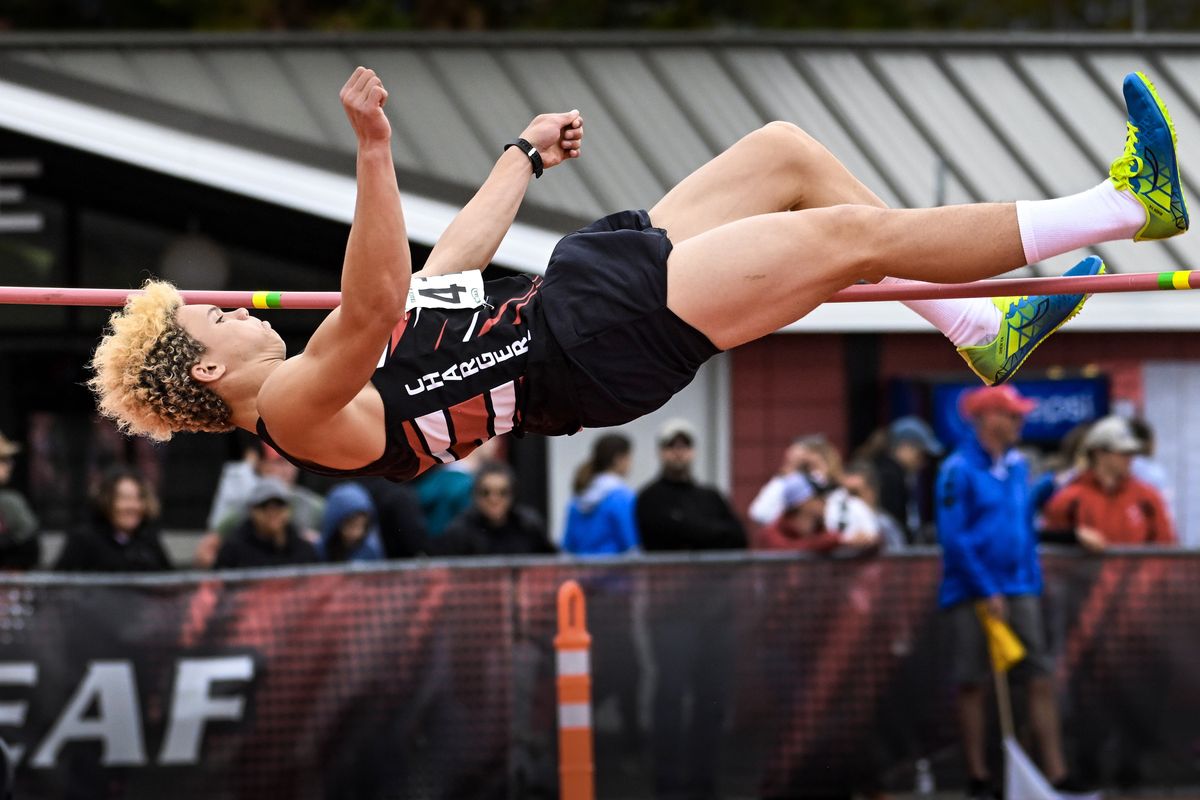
column 450, row 380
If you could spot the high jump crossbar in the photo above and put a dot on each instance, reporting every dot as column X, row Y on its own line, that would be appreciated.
column 998, row 287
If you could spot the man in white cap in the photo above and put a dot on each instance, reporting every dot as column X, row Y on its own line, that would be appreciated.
column 691, row 635
column 675, row 512
column 1105, row 504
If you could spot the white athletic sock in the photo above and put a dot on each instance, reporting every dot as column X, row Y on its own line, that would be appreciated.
column 1053, row 227
column 965, row 321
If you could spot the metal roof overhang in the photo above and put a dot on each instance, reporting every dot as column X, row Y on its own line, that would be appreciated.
column 181, row 154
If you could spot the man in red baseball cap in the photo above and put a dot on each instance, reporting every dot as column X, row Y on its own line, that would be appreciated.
column 989, row 555
column 1004, row 399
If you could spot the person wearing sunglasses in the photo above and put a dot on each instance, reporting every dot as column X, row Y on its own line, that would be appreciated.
column 495, row 524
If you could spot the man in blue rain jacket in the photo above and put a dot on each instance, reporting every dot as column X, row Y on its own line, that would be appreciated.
column 989, row 556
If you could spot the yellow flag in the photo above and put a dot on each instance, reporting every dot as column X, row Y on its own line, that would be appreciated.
column 1006, row 649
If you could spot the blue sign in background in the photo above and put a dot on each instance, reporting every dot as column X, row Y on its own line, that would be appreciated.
column 1062, row 404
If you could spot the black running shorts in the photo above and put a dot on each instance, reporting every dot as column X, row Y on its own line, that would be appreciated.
column 622, row 352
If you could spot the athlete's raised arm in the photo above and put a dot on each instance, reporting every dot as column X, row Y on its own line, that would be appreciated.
column 342, row 354
column 472, row 237
column 377, row 267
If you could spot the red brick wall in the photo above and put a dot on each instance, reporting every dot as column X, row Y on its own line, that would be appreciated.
column 783, row 386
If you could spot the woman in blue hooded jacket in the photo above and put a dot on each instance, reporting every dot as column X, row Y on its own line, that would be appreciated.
column 601, row 521
column 349, row 529
column 600, row 518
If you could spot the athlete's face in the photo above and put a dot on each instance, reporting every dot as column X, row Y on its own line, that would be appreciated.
column 230, row 337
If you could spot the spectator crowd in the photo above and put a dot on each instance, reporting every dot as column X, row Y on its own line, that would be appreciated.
column 1102, row 488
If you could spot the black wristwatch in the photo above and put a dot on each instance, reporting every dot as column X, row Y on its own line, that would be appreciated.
column 535, row 158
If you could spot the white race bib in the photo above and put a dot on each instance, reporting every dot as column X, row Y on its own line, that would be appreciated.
column 456, row 290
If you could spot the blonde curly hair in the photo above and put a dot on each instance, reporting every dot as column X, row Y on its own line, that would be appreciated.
column 143, row 369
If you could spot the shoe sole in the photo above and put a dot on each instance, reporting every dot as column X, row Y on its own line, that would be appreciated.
column 1166, row 115
column 1074, row 313
column 1162, row 107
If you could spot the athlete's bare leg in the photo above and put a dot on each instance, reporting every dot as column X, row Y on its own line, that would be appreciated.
column 778, row 167
column 774, row 169
column 745, row 279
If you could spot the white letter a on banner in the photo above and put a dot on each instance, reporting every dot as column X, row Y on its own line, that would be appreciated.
column 118, row 722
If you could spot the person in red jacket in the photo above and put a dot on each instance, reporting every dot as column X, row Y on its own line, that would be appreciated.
column 1105, row 505
column 801, row 526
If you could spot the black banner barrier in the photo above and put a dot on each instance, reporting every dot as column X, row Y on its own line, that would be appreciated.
column 742, row 675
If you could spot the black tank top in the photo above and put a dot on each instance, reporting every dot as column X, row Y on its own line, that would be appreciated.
column 450, row 380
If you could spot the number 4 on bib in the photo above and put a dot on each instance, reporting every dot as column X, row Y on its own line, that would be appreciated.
column 457, row 290
column 449, row 294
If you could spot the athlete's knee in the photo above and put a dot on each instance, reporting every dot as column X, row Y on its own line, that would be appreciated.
column 788, row 142
column 780, row 127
